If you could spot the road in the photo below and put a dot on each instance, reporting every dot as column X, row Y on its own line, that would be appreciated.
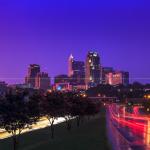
column 128, row 131
column 43, row 122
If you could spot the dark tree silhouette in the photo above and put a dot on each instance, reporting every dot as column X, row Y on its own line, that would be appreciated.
column 52, row 107
column 78, row 108
column 93, row 107
column 15, row 115
column 68, row 104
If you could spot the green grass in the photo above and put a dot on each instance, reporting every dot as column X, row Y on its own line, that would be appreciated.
column 91, row 135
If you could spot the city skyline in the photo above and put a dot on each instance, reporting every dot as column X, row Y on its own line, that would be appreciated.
column 24, row 79
column 78, row 71
column 46, row 33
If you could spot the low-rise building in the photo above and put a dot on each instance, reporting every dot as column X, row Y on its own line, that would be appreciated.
column 117, row 78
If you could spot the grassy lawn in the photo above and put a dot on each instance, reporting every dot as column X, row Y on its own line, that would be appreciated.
column 91, row 135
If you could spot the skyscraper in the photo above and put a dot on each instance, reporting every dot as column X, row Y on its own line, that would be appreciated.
column 33, row 70
column 42, row 81
column 70, row 66
column 76, row 71
column 92, row 69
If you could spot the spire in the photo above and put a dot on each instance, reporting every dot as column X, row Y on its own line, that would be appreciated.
column 71, row 56
column 70, row 71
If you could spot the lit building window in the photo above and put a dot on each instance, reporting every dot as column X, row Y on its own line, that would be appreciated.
column 90, row 78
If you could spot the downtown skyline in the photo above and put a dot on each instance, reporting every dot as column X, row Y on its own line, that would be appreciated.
column 86, row 72
column 46, row 33
column 61, row 70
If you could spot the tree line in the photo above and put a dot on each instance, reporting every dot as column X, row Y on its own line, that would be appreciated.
column 135, row 90
column 20, row 111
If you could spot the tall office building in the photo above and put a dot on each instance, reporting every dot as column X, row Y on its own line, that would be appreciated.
column 33, row 70
column 76, row 71
column 92, row 69
column 117, row 78
column 42, row 81
column 70, row 66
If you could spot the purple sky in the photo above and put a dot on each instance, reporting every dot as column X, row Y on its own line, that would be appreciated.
column 46, row 32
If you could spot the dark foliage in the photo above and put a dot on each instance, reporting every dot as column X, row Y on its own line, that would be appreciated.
column 19, row 111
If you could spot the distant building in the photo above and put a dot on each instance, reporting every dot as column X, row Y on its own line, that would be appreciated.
column 23, row 89
column 76, row 71
column 42, row 81
column 109, row 78
column 33, row 70
column 61, row 79
column 106, row 70
column 78, row 87
column 62, row 87
column 93, row 72
column 117, row 78
column 3, row 88
column 21, row 86
column 125, row 78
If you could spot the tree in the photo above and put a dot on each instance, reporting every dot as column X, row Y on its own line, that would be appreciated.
column 78, row 108
column 68, row 97
column 93, row 107
column 106, row 90
column 52, row 107
column 15, row 115
column 33, row 106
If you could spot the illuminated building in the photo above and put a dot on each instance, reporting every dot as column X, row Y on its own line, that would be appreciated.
column 33, row 70
column 105, row 70
column 109, row 78
column 92, row 69
column 70, row 66
column 62, row 83
column 42, row 81
column 117, row 78
column 76, row 71
column 62, row 87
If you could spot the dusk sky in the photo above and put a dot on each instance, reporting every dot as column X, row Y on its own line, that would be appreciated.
column 46, row 32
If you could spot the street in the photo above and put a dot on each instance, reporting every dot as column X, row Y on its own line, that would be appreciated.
column 43, row 122
column 126, row 130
